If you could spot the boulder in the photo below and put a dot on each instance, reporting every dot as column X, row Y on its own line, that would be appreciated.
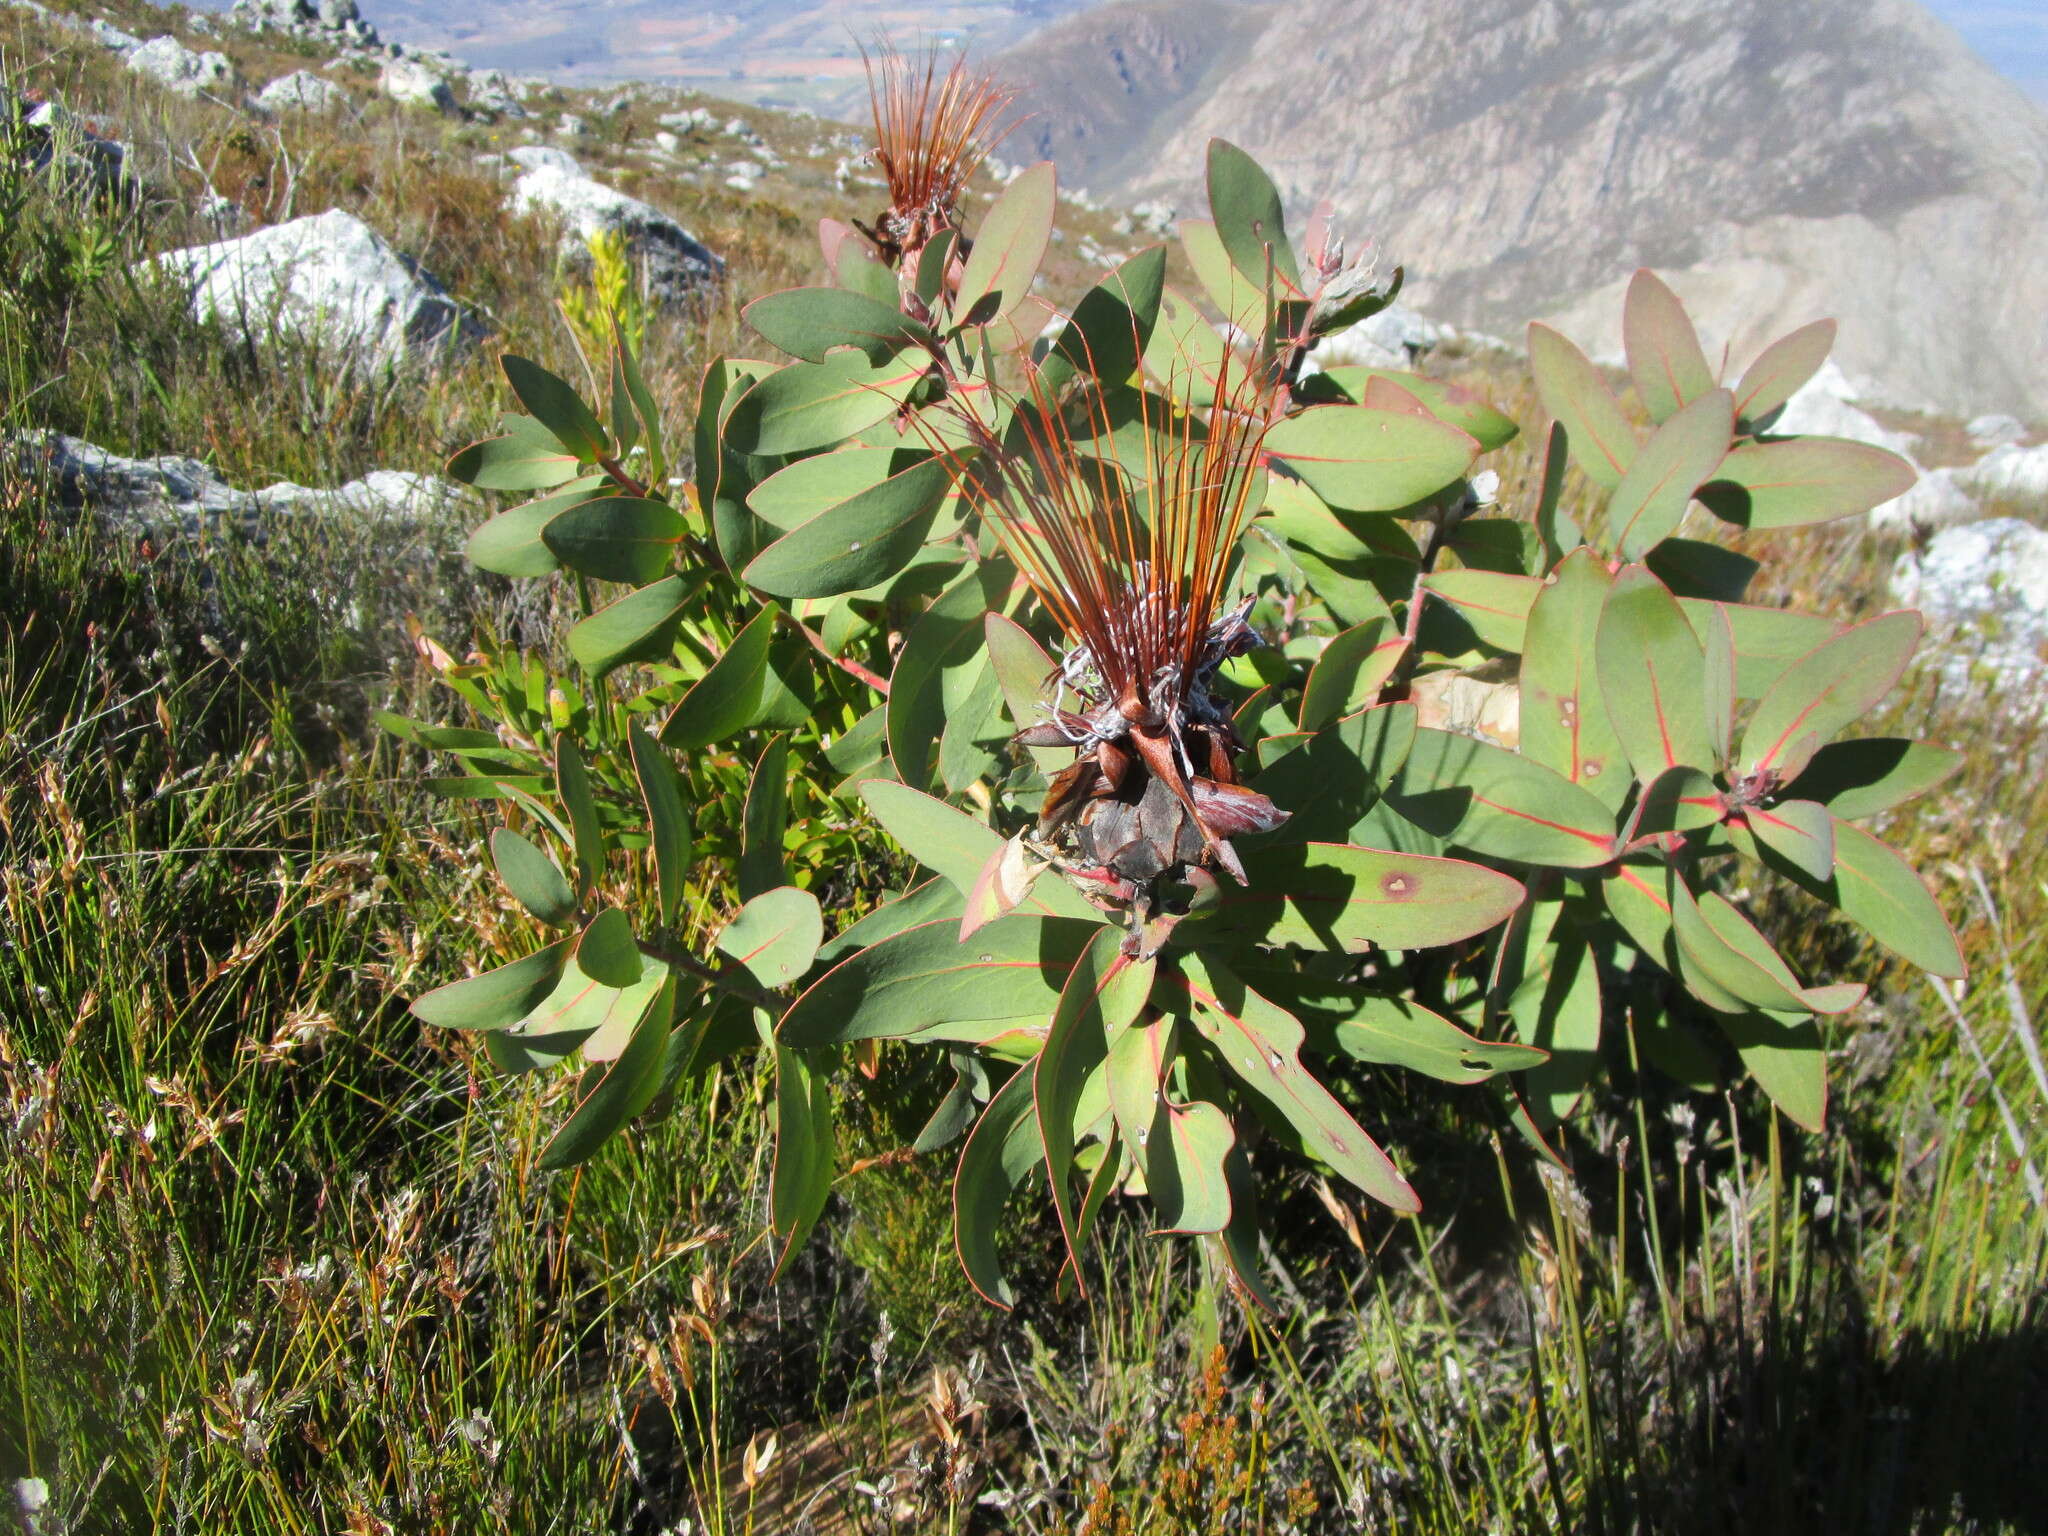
column 171, row 64
column 328, row 280
column 535, row 157
column 1937, row 499
column 107, row 35
column 2011, row 473
column 413, row 84
column 677, row 265
column 185, row 491
column 491, row 95
column 1995, row 430
column 1984, row 588
column 1823, row 407
column 302, row 91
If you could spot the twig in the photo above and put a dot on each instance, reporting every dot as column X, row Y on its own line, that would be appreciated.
column 2012, row 1125
column 627, row 483
column 845, row 664
column 717, row 976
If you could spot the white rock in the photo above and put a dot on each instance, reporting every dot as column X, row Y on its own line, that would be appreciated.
column 1995, row 431
column 413, row 84
column 1822, row 408
column 667, row 142
column 1985, row 586
column 537, row 157
column 677, row 264
column 491, row 92
column 107, row 35
column 302, row 91
column 170, row 63
column 381, row 493
column 2011, row 473
column 328, row 280
column 86, row 475
column 1936, row 500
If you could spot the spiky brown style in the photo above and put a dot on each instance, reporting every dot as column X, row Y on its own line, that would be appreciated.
column 1132, row 564
column 932, row 133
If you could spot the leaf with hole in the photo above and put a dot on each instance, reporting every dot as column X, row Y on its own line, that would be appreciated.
column 1260, row 1043
column 1339, row 897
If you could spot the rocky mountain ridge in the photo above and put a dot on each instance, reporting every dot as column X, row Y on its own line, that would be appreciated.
column 1775, row 162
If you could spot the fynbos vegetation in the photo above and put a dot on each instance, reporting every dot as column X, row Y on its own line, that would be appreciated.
column 1143, row 638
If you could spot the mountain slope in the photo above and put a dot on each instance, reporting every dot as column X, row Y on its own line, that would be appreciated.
column 1776, row 160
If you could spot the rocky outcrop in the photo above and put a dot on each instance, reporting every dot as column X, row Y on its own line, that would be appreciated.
column 331, row 21
column 2012, row 473
column 1984, row 588
column 302, row 91
column 174, row 66
column 677, row 265
column 413, row 84
column 1521, row 158
column 329, row 281
column 187, row 493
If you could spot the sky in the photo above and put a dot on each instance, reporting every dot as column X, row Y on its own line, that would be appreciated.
column 2012, row 34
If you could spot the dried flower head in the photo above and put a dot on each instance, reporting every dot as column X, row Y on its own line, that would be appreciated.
column 932, row 132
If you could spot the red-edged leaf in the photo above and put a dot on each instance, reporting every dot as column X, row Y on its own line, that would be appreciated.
column 1601, row 440
column 1680, row 456
column 1652, row 676
column 1664, row 356
column 1781, row 368
column 1827, row 690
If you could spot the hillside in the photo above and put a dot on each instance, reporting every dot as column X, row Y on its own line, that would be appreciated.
column 1776, row 162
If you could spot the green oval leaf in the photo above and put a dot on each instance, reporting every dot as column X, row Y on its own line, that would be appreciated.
column 513, row 463
column 1798, row 831
column 776, row 935
column 1476, row 795
column 810, row 322
column 764, row 820
column 1249, row 220
column 819, row 405
column 951, row 843
column 1652, row 671
column 616, row 538
column 1000, row 1153
column 1680, row 456
column 926, row 977
column 858, row 543
column 607, row 950
column 621, row 1093
column 532, row 878
column 1495, row 603
column 1008, row 246
column 1339, row 897
column 1796, row 481
column 556, row 406
column 1782, row 368
column 572, row 788
column 1664, row 356
column 510, row 543
column 496, row 998
column 668, row 821
column 1371, row 460
column 801, row 1181
column 1260, row 1044
column 1349, row 672
column 727, row 698
column 1397, row 1032
column 1564, row 721
column 1857, row 779
column 641, row 626
column 1828, row 689
column 1602, row 442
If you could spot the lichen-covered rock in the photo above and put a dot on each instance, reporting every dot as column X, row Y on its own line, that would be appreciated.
column 413, row 84
column 172, row 65
column 1984, row 587
column 328, row 280
column 302, row 91
column 1995, row 430
column 677, row 264
column 183, row 491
